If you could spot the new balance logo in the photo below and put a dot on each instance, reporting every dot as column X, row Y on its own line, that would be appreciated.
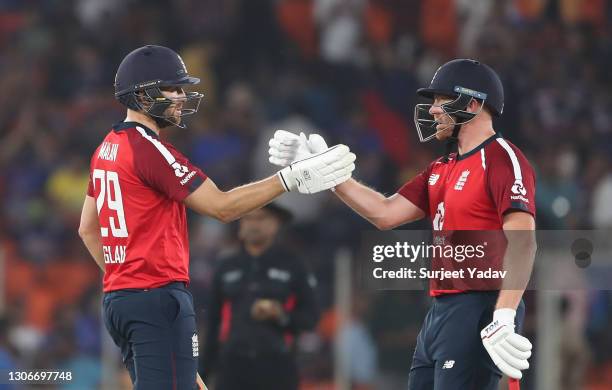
column 433, row 178
column 461, row 181
column 448, row 364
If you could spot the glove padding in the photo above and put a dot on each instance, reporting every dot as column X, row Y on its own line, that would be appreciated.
column 508, row 350
column 320, row 171
column 286, row 147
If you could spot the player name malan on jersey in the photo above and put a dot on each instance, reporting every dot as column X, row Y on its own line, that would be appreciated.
column 108, row 151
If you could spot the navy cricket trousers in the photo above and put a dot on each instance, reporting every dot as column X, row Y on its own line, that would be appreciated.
column 156, row 331
column 449, row 354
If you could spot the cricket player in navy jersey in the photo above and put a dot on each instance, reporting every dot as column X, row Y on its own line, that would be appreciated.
column 134, row 224
column 469, row 338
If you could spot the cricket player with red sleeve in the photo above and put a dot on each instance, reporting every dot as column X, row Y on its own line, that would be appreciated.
column 134, row 223
column 469, row 337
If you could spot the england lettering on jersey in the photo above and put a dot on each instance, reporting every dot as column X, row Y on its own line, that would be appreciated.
column 475, row 190
column 139, row 183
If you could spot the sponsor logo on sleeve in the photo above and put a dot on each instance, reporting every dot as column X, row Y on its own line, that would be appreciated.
column 518, row 187
column 519, row 190
column 188, row 177
column 179, row 169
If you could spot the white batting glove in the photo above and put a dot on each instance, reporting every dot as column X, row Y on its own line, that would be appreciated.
column 320, row 171
column 508, row 350
column 316, row 143
column 287, row 147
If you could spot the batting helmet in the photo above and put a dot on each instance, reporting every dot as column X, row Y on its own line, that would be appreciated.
column 143, row 72
column 463, row 80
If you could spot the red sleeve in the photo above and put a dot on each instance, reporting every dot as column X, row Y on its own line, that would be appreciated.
column 159, row 165
column 90, row 187
column 511, row 180
column 416, row 191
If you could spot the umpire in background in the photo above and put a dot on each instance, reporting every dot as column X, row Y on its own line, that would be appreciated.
column 261, row 299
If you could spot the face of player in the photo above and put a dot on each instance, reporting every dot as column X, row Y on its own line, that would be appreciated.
column 444, row 129
column 258, row 227
column 178, row 96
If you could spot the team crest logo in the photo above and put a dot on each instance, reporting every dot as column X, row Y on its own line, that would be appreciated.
column 433, row 178
column 462, row 180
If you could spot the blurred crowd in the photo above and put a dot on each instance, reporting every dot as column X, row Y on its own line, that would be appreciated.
column 347, row 69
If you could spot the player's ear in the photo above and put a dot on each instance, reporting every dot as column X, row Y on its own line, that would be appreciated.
column 474, row 106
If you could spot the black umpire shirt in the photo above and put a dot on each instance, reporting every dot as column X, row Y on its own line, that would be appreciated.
column 238, row 282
